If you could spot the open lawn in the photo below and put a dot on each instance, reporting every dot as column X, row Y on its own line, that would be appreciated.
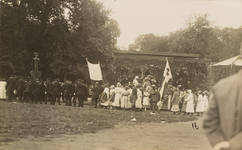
column 18, row 120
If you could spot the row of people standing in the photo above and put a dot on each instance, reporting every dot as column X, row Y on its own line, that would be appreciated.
column 189, row 102
column 36, row 91
column 132, row 97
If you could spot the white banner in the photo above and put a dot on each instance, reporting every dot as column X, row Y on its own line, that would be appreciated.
column 94, row 71
column 167, row 76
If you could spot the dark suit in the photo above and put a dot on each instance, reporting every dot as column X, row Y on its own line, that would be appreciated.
column 20, row 89
column 11, row 83
column 38, row 92
column 48, row 90
column 80, row 92
column 155, row 97
column 56, row 92
column 68, row 92
column 96, row 91
column 28, row 91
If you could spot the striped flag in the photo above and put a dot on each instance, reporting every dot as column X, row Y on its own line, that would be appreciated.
column 166, row 77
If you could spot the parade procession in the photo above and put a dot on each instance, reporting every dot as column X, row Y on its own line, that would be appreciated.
column 120, row 75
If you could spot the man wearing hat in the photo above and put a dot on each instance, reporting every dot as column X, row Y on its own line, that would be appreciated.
column 80, row 92
column 56, row 91
column 20, row 88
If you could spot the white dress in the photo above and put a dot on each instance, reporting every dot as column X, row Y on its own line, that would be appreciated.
column 106, row 103
column 3, row 90
column 200, row 104
column 189, row 100
column 146, row 99
column 205, row 99
column 129, row 103
column 138, row 103
column 118, row 96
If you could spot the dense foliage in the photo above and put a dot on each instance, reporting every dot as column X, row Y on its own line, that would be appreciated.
column 63, row 32
column 213, row 44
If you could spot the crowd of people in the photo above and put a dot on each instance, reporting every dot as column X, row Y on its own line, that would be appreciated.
column 36, row 91
column 134, row 96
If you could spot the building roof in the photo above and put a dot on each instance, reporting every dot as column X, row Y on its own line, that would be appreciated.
column 161, row 54
column 237, row 61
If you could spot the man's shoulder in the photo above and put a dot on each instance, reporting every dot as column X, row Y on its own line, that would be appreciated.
column 229, row 81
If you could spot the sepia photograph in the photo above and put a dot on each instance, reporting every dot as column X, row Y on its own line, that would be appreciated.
column 121, row 75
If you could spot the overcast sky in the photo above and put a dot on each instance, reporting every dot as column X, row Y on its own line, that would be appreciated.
column 136, row 17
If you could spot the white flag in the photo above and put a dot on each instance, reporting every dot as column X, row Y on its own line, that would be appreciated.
column 166, row 77
column 94, row 71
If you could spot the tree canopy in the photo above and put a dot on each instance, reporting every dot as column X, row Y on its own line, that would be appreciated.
column 63, row 32
column 213, row 44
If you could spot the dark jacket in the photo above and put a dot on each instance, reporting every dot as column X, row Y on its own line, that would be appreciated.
column 155, row 96
column 56, row 88
column 48, row 87
column 29, row 87
column 81, row 89
column 96, row 91
column 11, row 84
column 68, row 89
column 39, row 89
column 20, row 85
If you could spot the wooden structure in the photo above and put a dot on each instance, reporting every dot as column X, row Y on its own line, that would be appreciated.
column 139, row 58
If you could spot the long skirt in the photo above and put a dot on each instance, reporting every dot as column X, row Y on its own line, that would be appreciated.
column 175, row 108
column 117, row 100
column 190, row 107
column 146, row 101
column 184, row 106
column 200, row 106
column 124, row 102
column 138, row 103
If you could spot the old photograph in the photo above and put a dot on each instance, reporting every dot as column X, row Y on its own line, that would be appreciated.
column 121, row 75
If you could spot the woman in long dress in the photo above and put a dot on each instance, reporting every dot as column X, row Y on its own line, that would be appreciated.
column 146, row 102
column 184, row 105
column 205, row 98
column 200, row 104
column 111, row 96
column 125, row 99
column 118, row 95
column 189, row 100
column 3, row 90
column 175, row 100
column 138, row 103
column 104, row 99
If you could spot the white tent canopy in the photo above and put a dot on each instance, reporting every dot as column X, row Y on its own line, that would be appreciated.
column 237, row 61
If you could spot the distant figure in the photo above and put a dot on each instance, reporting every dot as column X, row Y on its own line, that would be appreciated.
column 96, row 91
column 190, row 102
column 80, row 92
column 56, row 91
column 223, row 119
column 200, row 104
column 20, row 89
column 2, row 89
column 10, row 87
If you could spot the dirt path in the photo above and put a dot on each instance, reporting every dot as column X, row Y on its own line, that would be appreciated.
column 129, row 136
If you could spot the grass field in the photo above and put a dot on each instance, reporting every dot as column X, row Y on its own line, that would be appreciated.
column 18, row 120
